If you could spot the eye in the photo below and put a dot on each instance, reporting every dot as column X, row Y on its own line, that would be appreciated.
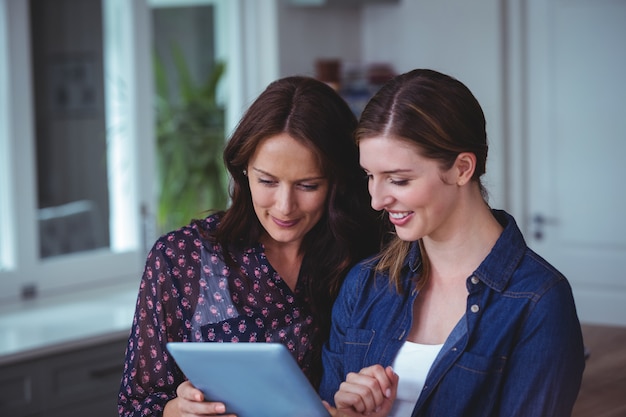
column 399, row 182
column 266, row 182
column 308, row 186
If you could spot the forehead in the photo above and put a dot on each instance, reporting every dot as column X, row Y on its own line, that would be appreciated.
column 376, row 146
column 283, row 154
column 388, row 154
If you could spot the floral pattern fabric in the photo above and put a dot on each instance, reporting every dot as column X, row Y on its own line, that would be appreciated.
column 189, row 293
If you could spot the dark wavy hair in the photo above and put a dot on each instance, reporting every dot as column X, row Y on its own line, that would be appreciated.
column 315, row 115
column 441, row 117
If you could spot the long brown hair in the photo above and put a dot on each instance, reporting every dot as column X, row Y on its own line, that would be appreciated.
column 442, row 118
column 315, row 115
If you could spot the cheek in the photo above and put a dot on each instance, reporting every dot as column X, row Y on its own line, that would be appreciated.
column 440, row 197
column 421, row 196
column 314, row 204
column 261, row 196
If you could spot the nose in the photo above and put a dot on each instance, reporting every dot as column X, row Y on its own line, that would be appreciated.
column 285, row 200
column 378, row 192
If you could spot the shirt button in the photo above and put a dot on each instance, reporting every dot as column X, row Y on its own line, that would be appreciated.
column 475, row 280
column 474, row 308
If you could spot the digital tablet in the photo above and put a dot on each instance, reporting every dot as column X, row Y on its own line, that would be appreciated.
column 251, row 379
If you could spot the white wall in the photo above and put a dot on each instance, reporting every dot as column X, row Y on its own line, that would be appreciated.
column 462, row 39
column 459, row 38
column 308, row 33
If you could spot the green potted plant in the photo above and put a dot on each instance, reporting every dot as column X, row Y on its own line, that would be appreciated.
column 190, row 134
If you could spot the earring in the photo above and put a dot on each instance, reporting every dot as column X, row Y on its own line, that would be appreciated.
column 245, row 172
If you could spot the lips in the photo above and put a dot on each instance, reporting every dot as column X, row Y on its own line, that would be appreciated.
column 400, row 218
column 285, row 223
column 399, row 215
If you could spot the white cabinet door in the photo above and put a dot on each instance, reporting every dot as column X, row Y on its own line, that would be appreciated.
column 574, row 109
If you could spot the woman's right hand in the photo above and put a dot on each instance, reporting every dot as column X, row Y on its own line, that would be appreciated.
column 190, row 403
column 371, row 392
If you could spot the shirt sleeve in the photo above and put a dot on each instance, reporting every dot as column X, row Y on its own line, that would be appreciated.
column 150, row 376
column 333, row 350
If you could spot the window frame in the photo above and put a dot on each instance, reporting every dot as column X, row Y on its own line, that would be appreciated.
column 22, row 271
column 245, row 27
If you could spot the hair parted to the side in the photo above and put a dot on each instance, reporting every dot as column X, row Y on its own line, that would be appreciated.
column 442, row 118
column 314, row 114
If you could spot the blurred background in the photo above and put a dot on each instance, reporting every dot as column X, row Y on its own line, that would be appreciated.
column 113, row 115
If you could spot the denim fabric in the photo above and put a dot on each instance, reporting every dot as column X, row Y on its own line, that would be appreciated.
column 517, row 351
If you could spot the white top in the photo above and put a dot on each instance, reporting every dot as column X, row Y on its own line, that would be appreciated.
column 412, row 365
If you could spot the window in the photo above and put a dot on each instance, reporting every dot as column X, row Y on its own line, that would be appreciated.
column 76, row 143
column 77, row 133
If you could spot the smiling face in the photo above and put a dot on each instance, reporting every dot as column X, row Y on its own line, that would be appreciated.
column 288, row 189
column 419, row 196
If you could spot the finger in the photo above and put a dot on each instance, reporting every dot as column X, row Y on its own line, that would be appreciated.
column 191, row 402
column 211, row 409
column 361, row 392
column 344, row 412
column 394, row 378
column 188, row 392
column 347, row 400
column 382, row 375
column 331, row 410
column 194, row 408
column 387, row 405
column 376, row 379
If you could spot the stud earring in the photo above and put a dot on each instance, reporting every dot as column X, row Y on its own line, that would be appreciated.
column 245, row 172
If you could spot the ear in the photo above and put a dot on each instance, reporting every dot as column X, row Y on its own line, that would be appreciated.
column 464, row 167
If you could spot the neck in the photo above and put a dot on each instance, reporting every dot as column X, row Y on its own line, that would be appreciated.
column 286, row 259
column 458, row 254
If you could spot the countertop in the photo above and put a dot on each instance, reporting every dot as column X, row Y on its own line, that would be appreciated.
column 46, row 326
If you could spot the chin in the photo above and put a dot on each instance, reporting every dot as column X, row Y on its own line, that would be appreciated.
column 408, row 236
column 284, row 238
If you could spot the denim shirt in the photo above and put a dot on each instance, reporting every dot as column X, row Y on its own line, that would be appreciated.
column 517, row 351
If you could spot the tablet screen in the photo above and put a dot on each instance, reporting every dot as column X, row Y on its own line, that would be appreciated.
column 251, row 379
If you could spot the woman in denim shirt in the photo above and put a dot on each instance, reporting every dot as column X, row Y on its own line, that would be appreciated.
column 456, row 316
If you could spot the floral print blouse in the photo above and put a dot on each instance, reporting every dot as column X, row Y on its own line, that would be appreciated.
column 188, row 293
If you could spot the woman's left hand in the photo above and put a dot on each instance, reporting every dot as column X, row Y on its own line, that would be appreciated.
column 370, row 393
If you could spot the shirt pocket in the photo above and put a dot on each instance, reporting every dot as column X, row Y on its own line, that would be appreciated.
column 480, row 365
column 472, row 380
column 356, row 347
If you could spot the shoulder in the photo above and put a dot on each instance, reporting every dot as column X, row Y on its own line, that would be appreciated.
column 189, row 237
column 209, row 224
column 512, row 266
column 536, row 274
column 364, row 281
column 361, row 272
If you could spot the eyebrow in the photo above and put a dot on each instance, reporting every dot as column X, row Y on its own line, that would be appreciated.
column 260, row 171
column 394, row 171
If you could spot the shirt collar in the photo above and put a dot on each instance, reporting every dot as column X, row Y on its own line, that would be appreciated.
column 497, row 268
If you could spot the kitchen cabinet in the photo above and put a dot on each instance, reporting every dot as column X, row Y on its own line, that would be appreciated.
column 74, row 380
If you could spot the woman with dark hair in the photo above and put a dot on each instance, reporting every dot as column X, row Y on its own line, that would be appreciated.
column 456, row 317
column 269, row 267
